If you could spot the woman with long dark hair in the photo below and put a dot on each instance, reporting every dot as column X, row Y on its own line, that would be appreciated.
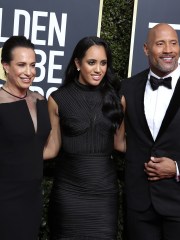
column 86, row 115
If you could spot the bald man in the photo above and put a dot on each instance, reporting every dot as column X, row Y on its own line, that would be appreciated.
column 152, row 125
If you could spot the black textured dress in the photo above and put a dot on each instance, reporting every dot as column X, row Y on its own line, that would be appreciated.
column 21, row 165
column 83, row 202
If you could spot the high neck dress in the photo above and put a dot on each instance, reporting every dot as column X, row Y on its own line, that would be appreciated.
column 83, row 201
column 21, row 168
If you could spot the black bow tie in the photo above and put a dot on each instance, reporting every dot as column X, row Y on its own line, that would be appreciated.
column 155, row 82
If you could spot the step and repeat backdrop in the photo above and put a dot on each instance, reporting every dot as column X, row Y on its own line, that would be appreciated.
column 54, row 27
column 148, row 13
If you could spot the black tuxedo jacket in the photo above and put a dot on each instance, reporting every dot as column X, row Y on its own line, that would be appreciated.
column 141, row 193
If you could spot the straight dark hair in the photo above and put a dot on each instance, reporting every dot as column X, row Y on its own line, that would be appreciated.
column 112, row 107
column 11, row 43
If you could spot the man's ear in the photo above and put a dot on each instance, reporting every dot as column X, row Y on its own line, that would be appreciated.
column 146, row 51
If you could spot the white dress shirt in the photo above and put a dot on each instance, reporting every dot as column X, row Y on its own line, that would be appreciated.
column 156, row 102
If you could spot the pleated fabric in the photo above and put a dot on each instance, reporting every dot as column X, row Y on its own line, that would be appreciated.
column 83, row 203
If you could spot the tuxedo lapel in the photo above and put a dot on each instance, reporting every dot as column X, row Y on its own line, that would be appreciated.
column 171, row 110
column 140, row 90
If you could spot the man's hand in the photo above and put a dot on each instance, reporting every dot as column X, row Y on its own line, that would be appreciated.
column 160, row 168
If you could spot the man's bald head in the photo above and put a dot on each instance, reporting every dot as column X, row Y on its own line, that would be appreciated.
column 162, row 49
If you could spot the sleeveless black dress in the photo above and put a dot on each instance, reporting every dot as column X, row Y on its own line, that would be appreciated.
column 83, row 201
column 21, row 168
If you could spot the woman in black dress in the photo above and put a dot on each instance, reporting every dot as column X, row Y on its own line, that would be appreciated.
column 24, row 128
column 86, row 115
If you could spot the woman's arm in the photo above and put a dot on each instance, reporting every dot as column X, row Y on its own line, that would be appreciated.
column 120, row 136
column 53, row 143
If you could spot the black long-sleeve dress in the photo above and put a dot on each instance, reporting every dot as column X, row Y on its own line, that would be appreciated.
column 84, row 195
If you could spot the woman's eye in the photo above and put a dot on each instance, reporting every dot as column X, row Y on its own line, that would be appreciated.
column 91, row 62
column 104, row 63
column 21, row 64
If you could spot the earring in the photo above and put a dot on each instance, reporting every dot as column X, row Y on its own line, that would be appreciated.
column 78, row 69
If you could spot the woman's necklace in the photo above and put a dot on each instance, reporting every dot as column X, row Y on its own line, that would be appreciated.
column 14, row 95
